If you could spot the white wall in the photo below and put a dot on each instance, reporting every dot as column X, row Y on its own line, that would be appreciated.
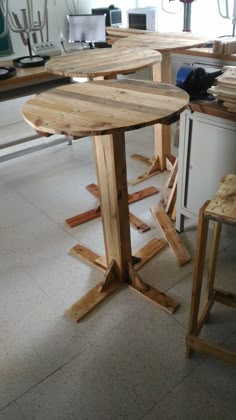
column 205, row 19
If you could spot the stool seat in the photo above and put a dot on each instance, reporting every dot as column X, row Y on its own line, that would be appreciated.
column 223, row 206
column 220, row 210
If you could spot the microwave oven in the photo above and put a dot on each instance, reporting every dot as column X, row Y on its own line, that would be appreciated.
column 144, row 18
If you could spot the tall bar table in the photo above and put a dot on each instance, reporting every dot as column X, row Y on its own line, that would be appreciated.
column 166, row 43
column 106, row 63
column 106, row 110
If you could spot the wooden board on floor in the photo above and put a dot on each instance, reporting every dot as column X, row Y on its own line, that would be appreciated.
column 86, row 254
column 81, row 218
column 156, row 296
column 138, row 224
column 89, row 301
column 148, row 251
column 175, row 243
column 145, row 253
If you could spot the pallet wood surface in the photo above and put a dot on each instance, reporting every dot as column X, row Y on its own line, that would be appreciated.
column 223, row 205
column 176, row 244
column 165, row 41
column 92, row 214
column 84, row 109
column 102, row 62
column 225, row 89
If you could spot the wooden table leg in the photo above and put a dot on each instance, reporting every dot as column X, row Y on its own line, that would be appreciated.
column 162, row 133
column 112, row 179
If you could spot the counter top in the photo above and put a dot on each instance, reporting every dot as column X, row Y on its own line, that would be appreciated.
column 27, row 81
column 214, row 108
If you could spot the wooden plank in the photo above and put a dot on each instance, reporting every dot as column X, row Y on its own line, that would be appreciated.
column 160, row 298
column 175, row 243
column 83, row 217
column 93, row 189
column 202, row 233
column 211, row 349
column 143, row 177
column 141, row 158
column 172, row 176
column 89, row 301
column 145, row 254
column 226, row 92
column 225, row 297
column 92, row 214
column 142, row 194
column 170, row 161
column 173, row 214
column 132, row 198
column 172, row 197
column 138, row 224
column 148, row 251
column 112, row 180
column 87, row 255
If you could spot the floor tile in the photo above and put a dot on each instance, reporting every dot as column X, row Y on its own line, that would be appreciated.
column 84, row 389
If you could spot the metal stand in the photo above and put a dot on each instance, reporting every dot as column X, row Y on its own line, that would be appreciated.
column 27, row 27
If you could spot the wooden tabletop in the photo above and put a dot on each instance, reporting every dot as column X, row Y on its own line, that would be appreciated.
column 162, row 41
column 102, row 62
column 102, row 107
column 214, row 108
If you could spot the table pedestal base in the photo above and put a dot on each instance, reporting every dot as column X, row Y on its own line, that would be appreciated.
column 111, row 281
column 91, row 214
column 155, row 167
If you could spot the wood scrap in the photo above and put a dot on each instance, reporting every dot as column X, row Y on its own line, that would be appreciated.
column 225, row 89
column 172, row 237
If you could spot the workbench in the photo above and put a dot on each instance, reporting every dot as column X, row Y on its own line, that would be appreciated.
column 13, row 93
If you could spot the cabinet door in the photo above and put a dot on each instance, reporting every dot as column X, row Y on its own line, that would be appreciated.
column 211, row 154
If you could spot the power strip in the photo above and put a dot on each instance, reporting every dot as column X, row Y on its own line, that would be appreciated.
column 46, row 48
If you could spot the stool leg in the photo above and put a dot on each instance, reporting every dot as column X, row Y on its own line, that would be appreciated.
column 213, row 258
column 198, row 272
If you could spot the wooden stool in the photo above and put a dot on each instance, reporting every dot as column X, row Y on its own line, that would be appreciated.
column 221, row 209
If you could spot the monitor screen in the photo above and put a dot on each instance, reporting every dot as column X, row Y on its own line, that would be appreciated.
column 87, row 28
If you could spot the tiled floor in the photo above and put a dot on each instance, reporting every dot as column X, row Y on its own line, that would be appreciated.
column 125, row 360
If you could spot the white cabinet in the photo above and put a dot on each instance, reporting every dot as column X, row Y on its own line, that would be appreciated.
column 207, row 151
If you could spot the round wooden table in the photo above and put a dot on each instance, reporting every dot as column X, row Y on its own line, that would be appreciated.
column 105, row 110
column 166, row 43
column 105, row 62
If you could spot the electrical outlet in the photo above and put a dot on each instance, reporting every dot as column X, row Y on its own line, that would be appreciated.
column 46, row 48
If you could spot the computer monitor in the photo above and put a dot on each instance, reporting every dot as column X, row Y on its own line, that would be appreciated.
column 87, row 28
column 113, row 15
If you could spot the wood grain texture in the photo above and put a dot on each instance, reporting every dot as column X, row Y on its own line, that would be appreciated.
column 176, row 244
column 166, row 41
column 223, row 206
column 103, row 107
column 103, row 62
